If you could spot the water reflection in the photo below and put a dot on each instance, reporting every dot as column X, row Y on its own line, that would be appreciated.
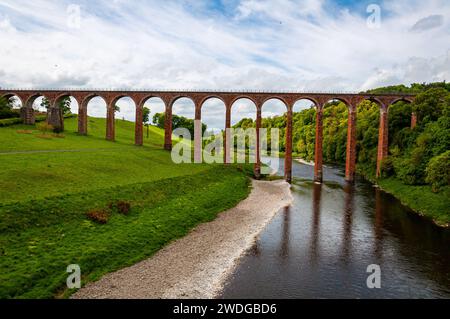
column 285, row 235
column 320, row 247
column 348, row 222
column 315, row 229
column 378, row 225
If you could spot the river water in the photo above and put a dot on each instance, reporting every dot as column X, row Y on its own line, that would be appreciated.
column 322, row 245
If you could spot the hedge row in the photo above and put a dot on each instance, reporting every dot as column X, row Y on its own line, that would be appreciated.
column 40, row 118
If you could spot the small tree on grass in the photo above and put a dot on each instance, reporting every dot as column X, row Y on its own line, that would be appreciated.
column 146, row 119
column 64, row 105
column 116, row 108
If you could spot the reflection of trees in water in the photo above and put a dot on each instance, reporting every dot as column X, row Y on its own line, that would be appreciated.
column 315, row 229
column 349, row 207
column 285, row 236
column 421, row 244
column 378, row 226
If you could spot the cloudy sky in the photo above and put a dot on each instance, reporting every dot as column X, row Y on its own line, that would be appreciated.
column 307, row 45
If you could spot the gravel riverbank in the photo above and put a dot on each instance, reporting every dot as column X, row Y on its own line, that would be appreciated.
column 197, row 265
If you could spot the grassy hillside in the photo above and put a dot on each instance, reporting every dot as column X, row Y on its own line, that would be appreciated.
column 79, row 163
column 48, row 185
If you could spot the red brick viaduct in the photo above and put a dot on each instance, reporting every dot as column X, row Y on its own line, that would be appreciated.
column 27, row 97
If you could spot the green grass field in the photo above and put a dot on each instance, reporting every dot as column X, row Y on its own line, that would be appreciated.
column 48, row 185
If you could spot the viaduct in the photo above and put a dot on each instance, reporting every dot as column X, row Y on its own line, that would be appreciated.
column 54, row 117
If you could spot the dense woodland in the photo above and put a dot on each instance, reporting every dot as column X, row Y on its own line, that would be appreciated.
column 416, row 156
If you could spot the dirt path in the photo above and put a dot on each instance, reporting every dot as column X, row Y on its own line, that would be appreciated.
column 197, row 265
column 59, row 151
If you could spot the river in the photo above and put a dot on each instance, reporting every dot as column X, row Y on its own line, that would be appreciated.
column 321, row 246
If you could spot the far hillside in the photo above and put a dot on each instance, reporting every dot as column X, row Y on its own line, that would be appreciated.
column 16, row 138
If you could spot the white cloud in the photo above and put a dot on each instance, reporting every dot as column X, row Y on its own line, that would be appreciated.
column 265, row 44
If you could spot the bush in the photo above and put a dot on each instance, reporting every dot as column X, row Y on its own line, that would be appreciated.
column 121, row 207
column 387, row 167
column 438, row 171
column 408, row 172
column 7, row 114
column 9, row 122
column 98, row 216
column 44, row 127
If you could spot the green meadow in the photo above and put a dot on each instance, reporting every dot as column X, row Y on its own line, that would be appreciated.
column 49, row 184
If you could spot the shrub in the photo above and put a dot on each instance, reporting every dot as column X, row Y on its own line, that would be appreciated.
column 44, row 127
column 9, row 122
column 408, row 172
column 121, row 207
column 98, row 216
column 438, row 171
column 387, row 167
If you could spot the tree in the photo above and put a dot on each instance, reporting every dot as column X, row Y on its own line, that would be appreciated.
column 64, row 105
column 6, row 108
column 45, row 103
column 177, row 122
column 146, row 119
column 430, row 105
column 438, row 171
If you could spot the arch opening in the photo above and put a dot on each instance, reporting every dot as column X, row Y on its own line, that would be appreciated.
column 243, row 116
column 273, row 137
column 304, row 119
column 96, row 109
column 125, row 109
column 153, row 108
column 14, row 100
column 335, row 131
column 400, row 123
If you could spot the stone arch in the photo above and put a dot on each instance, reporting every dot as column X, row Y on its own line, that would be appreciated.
column 376, row 100
column 214, row 115
column 83, row 108
column 32, row 98
column 275, row 98
column 204, row 100
column 242, row 97
column 62, row 96
column 212, row 98
column 129, row 100
column 341, row 99
column 253, row 149
column 148, row 98
column 10, row 95
column 85, row 101
column 175, row 99
column 400, row 99
column 307, row 98
column 280, row 109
